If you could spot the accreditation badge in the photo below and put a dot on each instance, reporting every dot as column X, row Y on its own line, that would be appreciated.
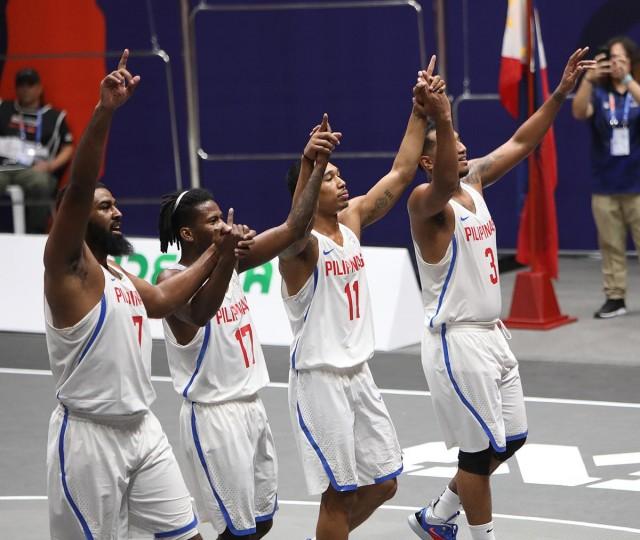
column 620, row 145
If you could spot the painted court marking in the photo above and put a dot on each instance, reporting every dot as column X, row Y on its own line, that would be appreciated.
column 412, row 509
column 620, row 458
column 387, row 391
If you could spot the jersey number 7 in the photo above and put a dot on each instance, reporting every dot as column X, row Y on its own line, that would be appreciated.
column 137, row 321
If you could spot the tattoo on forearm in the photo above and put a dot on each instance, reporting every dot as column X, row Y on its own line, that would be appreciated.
column 303, row 209
column 559, row 97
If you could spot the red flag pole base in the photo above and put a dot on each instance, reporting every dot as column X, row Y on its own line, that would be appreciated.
column 534, row 305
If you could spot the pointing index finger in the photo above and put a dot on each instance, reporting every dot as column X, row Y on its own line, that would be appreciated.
column 325, row 122
column 431, row 66
column 583, row 52
column 122, row 64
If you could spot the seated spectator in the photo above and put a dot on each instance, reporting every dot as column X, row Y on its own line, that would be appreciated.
column 35, row 148
column 609, row 99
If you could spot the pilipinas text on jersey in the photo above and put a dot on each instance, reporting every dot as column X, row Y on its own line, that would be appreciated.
column 330, row 316
column 224, row 360
column 102, row 364
column 465, row 285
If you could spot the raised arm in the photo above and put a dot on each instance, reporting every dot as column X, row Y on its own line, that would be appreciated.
column 174, row 291
column 376, row 203
column 291, row 237
column 581, row 106
column 430, row 199
column 204, row 304
column 490, row 168
column 297, row 263
column 634, row 89
column 64, row 248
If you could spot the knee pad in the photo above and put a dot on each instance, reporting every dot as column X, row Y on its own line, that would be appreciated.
column 512, row 448
column 475, row 462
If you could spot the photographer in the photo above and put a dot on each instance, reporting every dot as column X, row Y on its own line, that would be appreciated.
column 608, row 97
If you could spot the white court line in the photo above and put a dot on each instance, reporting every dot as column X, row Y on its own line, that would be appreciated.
column 24, row 498
column 412, row 509
column 389, row 391
column 500, row 516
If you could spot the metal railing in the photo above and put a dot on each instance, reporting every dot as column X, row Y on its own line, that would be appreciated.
column 17, row 202
column 196, row 152
column 468, row 96
column 153, row 53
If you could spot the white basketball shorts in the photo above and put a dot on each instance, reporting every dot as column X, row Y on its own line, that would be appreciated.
column 103, row 476
column 475, row 386
column 342, row 428
column 231, row 470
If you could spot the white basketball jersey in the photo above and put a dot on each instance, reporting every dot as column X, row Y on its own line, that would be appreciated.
column 464, row 286
column 331, row 316
column 224, row 361
column 102, row 364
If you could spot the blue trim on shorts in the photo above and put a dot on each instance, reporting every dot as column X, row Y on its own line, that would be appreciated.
column 315, row 286
column 468, row 405
column 67, row 493
column 203, row 349
column 179, row 531
column 203, row 462
column 518, row 436
column 268, row 517
column 323, row 460
column 446, row 280
column 389, row 476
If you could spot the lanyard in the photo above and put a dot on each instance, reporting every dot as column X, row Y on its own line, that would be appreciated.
column 613, row 119
column 23, row 131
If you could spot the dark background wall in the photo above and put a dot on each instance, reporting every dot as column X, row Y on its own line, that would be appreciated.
column 266, row 78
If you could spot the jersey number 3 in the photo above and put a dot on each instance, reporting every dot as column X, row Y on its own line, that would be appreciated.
column 492, row 263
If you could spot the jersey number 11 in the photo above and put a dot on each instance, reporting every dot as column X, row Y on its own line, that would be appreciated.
column 351, row 296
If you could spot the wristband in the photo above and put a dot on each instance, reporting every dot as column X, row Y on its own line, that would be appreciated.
column 308, row 158
column 627, row 79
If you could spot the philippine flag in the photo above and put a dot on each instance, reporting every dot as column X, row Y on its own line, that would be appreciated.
column 524, row 87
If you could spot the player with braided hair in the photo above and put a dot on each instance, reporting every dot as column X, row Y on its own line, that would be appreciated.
column 216, row 362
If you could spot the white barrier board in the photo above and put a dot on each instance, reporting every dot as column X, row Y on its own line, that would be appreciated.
column 395, row 295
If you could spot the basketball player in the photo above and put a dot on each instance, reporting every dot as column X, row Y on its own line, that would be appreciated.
column 109, row 462
column 472, row 374
column 216, row 360
column 348, row 445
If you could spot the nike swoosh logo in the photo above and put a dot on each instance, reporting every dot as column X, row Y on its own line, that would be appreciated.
column 434, row 534
column 327, row 251
column 465, row 218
